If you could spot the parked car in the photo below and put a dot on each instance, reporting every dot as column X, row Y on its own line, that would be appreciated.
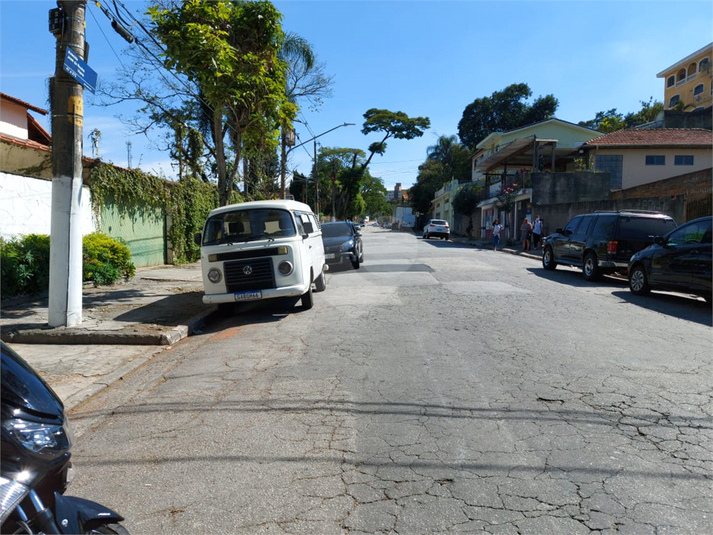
column 437, row 228
column 603, row 242
column 342, row 243
column 680, row 261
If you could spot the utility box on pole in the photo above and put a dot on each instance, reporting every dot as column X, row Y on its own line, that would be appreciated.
column 67, row 94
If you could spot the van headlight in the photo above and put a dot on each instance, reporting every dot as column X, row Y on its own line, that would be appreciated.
column 214, row 275
column 285, row 267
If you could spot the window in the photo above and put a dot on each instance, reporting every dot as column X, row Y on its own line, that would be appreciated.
column 698, row 89
column 681, row 75
column 671, row 81
column 699, row 232
column 604, row 227
column 656, row 160
column 682, row 160
column 674, row 100
column 572, row 226
column 704, row 64
column 612, row 164
column 581, row 233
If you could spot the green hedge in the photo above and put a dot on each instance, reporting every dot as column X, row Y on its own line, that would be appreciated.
column 25, row 263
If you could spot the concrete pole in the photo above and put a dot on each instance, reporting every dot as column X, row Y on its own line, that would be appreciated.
column 65, row 285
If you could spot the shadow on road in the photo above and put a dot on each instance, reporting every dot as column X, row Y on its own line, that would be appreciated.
column 682, row 306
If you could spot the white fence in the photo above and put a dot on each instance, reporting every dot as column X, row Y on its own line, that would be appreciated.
column 26, row 206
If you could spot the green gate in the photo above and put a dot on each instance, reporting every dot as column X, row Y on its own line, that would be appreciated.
column 143, row 228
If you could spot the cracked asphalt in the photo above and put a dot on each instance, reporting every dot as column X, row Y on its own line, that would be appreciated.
column 438, row 389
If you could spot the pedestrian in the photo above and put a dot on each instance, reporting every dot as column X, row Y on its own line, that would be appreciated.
column 526, row 231
column 537, row 229
column 497, row 228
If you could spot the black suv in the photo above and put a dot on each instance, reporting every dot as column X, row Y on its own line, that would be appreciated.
column 603, row 242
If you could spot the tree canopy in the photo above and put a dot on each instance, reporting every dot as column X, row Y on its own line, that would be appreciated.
column 503, row 111
column 612, row 120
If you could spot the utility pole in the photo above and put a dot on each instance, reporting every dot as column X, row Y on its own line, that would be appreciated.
column 65, row 284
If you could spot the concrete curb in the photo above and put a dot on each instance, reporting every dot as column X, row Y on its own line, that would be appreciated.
column 79, row 336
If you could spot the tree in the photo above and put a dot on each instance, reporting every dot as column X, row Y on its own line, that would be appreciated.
column 346, row 169
column 503, row 111
column 230, row 51
column 466, row 201
column 373, row 192
column 305, row 81
column 392, row 124
column 454, row 158
column 611, row 121
column 428, row 181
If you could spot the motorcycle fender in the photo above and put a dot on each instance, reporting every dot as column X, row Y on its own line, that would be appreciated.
column 76, row 515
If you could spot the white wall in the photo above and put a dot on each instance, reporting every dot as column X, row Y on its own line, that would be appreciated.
column 26, row 206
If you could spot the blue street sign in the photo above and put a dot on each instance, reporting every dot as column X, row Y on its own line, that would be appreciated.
column 80, row 71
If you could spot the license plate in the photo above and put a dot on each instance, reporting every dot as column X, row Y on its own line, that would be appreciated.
column 329, row 256
column 248, row 296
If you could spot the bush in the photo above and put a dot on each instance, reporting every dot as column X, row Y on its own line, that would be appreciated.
column 25, row 262
column 25, row 265
column 106, row 259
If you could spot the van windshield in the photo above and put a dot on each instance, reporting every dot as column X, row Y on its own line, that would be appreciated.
column 247, row 225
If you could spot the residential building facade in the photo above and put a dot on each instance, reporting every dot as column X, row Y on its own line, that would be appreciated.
column 507, row 159
column 688, row 83
column 641, row 156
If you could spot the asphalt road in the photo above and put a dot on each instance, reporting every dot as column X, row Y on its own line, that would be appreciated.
column 440, row 388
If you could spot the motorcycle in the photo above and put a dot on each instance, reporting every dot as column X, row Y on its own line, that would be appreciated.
column 36, row 468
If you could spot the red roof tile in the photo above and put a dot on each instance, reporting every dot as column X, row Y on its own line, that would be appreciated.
column 7, row 97
column 655, row 137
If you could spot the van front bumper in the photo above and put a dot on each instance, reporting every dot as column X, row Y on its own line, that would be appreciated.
column 242, row 297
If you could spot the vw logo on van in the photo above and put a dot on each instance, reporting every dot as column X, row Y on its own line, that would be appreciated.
column 247, row 270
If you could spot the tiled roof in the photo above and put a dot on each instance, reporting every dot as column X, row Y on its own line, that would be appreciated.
column 655, row 137
column 22, row 103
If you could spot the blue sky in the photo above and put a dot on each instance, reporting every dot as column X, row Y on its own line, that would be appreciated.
column 425, row 58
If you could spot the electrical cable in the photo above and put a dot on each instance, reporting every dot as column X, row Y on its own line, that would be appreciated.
column 106, row 38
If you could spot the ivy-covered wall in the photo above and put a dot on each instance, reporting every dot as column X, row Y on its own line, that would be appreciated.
column 137, row 200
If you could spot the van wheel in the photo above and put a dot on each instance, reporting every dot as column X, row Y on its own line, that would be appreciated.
column 590, row 268
column 638, row 284
column 548, row 259
column 321, row 283
column 306, row 298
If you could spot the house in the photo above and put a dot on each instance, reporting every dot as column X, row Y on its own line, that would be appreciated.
column 26, row 190
column 26, row 173
column 640, row 156
column 688, row 83
column 503, row 162
column 24, row 143
column 442, row 205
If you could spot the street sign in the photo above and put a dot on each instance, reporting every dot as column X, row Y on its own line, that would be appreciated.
column 80, row 71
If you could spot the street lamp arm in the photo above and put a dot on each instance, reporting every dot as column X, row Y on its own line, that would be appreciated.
column 319, row 135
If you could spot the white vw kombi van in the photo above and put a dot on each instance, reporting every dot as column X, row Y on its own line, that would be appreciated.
column 262, row 250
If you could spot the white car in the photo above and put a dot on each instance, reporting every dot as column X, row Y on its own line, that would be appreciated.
column 437, row 228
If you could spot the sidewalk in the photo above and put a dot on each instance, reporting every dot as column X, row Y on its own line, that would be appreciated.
column 482, row 243
column 122, row 327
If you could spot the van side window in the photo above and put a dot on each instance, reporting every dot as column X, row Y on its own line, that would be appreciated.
column 300, row 226
column 306, row 223
column 603, row 228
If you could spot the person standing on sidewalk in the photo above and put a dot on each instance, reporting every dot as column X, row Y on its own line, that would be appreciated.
column 537, row 228
column 497, row 228
column 525, row 230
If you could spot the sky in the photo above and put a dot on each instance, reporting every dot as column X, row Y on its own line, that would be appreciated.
column 424, row 58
